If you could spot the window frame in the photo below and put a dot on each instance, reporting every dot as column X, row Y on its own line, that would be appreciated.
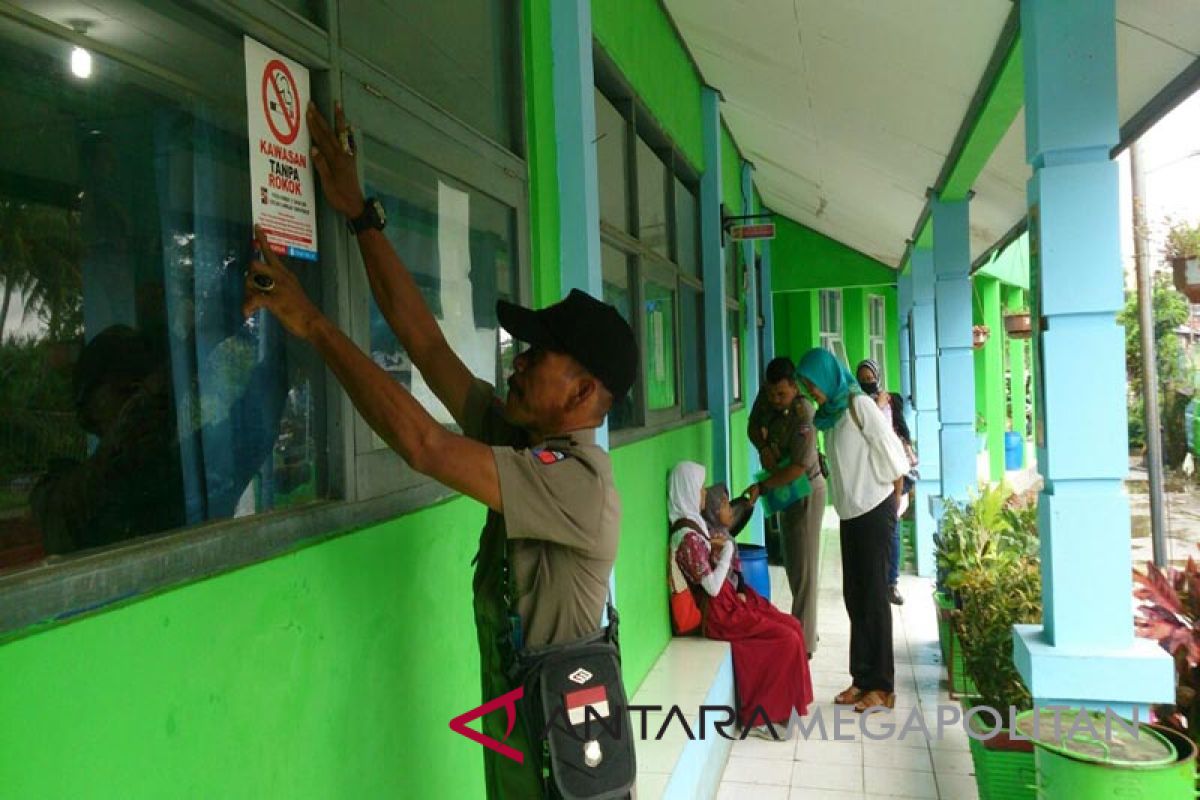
column 877, row 334
column 645, row 262
column 61, row 588
column 831, row 336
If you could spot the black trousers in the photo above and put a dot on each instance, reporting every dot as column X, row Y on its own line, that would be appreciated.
column 866, row 543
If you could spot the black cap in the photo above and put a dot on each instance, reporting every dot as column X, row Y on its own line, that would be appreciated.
column 116, row 353
column 593, row 333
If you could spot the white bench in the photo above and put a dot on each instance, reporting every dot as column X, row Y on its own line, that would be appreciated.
column 691, row 672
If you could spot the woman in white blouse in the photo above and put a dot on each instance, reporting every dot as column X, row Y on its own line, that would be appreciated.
column 866, row 464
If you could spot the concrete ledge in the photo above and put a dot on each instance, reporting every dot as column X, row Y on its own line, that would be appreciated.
column 691, row 672
column 1139, row 675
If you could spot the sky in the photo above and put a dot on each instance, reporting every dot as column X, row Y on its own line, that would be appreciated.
column 1171, row 150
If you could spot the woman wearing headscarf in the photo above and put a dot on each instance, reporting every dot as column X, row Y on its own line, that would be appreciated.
column 866, row 462
column 770, row 661
column 892, row 405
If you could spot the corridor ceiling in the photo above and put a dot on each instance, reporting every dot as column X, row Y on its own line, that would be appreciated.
column 849, row 109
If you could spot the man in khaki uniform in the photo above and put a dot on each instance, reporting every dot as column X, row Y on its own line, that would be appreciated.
column 548, row 546
column 781, row 428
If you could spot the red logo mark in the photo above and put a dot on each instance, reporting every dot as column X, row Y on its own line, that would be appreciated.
column 281, row 101
column 509, row 703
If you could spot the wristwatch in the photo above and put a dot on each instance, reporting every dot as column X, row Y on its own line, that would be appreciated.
column 372, row 216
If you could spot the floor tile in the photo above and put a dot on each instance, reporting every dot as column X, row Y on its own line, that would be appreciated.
column 773, row 772
column 883, row 782
column 827, row 776
column 731, row 790
column 957, row 787
column 819, row 752
column 906, row 758
column 801, row 793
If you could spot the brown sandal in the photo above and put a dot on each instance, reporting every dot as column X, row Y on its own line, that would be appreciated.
column 848, row 696
column 875, row 698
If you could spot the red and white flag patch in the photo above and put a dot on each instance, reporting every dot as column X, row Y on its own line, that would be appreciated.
column 549, row 456
column 577, row 703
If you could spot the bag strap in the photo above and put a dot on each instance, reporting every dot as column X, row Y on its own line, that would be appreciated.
column 854, row 416
column 684, row 522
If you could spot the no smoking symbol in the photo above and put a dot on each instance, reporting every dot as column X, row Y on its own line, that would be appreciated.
column 281, row 101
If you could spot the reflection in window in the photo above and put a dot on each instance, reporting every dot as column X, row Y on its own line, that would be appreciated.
column 459, row 246
column 687, row 230
column 691, row 308
column 459, row 54
column 135, row 398
column 734, row 321
column 658, row 349
column 612, row 142
column 652, row 200
column 615, row 273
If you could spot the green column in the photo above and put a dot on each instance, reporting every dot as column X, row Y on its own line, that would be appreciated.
column 1014, row 302
column 992, row 401
column 854, row 325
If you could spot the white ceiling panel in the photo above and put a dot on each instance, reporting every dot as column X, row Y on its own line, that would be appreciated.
column 849, row 110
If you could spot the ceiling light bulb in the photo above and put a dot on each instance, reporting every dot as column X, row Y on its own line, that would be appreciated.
column 81, row 63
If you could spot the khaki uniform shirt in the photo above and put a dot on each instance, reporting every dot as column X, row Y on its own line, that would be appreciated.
column 559, row 530
column 790, row 433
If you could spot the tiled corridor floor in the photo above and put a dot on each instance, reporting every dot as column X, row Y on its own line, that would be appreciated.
column 812, row 769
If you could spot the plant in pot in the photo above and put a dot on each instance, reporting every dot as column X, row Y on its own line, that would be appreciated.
column 1169, row 613
column 1000, row 590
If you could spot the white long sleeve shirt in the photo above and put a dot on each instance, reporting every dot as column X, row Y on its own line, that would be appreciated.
column 860, row 462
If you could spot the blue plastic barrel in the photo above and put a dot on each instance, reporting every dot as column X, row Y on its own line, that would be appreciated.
column 1014, row 450
column 754, row 568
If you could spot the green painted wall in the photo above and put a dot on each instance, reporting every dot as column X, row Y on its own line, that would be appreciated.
column 990, row 387
column 1011, row 265
column 639, row 37
column 892, row 308
column 797, row 323
column 801, row 258
column 641, row 471
column 328, row 672
column 541, row 151
column 855, row 330
column 731, row 174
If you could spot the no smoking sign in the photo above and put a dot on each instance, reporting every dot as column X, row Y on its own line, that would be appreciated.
column 282, row 193
column 281, row 101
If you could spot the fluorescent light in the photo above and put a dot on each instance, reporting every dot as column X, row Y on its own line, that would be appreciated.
column 81, row 63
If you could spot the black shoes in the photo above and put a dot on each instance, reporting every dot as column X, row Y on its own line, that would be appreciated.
column 894, row 596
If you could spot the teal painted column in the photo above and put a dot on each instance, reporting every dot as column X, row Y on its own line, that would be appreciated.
column 904, row 310
column 956, row 377
column 715, row 337
column 925, row 405
column 767, row 306
column 1085, row 653
column 754, row 363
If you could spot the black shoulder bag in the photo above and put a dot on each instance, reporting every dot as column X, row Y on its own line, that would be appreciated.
column 574, row 704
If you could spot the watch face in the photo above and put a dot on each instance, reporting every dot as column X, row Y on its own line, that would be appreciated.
column 379, row 213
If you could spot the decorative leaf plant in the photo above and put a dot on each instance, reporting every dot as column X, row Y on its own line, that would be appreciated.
column 1169, row 613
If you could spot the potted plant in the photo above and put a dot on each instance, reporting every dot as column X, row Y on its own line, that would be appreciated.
column 979, row 335
column 1182, row 252
column 1018, row 325
column 1000, row 589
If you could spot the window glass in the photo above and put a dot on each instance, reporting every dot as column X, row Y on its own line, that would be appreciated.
column 734, row 321
column 733, row 260
column 658, row 349
column 135, row 397
column 310, row 10
column 612, row 141
column 687, row 230
column 615, row 269
column 652, row 200
column 691, row 317
column 460, row 54
column 459, row 246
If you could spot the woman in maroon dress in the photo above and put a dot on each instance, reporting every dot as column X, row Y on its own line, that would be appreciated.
column 770, row 661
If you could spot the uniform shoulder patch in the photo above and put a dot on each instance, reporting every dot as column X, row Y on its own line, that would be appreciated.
column 548, row 456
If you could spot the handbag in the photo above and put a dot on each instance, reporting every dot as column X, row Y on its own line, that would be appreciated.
column 574, row 704
column 685, row 612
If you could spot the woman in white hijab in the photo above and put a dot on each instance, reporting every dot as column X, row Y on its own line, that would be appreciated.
column 770, row 659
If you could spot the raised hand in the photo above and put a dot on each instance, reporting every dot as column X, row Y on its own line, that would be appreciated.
column 336, row 162
column 271, row 285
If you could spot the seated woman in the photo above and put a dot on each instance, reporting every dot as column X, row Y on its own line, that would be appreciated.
column 770, row 661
